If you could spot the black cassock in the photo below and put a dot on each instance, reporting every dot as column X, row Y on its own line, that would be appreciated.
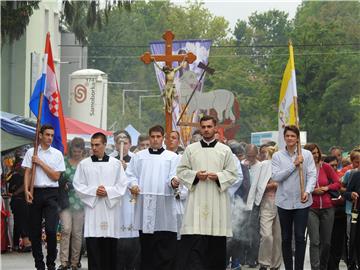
column 101, row 252
column 201, row 252
column 158, row 250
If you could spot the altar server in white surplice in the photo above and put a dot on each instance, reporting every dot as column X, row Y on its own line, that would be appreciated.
column 181, row 191
column 152, row 179
column 128, row 246
column 207, row 169
column 100, row 182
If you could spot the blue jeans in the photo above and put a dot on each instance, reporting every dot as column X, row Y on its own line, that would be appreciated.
column 297, row 219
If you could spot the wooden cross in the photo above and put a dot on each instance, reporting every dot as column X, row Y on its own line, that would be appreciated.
column 168, row 58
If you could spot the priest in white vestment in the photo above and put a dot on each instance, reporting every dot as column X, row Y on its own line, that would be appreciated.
column 151, row 173
column 207, row 169
column 128, row 246
column 100, row 182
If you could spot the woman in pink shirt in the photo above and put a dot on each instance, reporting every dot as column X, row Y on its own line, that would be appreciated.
column 321, row 214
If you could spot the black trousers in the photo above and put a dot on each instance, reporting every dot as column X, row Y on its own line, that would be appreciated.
column 297, row 219
column 201, row 252
column 44, row 205
column 338, row 239
column 20, row 210
column 354, row 246
column 128, row 253
column 101, row 253
column 158, row 250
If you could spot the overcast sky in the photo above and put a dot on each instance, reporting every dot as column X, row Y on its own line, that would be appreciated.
column 233, row 10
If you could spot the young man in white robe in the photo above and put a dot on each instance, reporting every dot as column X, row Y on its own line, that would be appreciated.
column 152, row 174
column 207, row 169
column 181, row 191
column 122, row 142
column 100, row 182
column 128, row 246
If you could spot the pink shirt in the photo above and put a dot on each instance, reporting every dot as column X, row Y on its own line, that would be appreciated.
column 326, row 175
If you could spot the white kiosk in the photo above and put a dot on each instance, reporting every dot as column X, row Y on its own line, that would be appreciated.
column 88, row 97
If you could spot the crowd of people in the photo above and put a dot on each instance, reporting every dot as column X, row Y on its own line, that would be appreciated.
column 211, row 205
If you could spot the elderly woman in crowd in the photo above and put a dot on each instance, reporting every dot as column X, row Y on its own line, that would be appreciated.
column 321, row 214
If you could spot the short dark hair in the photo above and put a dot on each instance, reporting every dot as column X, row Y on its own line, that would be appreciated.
column 237, row 148
column 196, row 131
column 292, row 128
column 251, row 147
column 157, row 128
column 98, row 135
column 45, row 127
column 177, row 133
column 335, row 147
column 264, row 145
column 142, row 138
column 122, row 132
column 311, row 147
column 207, row 118
column 329, row 159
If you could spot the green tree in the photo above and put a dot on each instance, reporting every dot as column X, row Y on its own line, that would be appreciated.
column 15, row 16
column 328, row 84
column 80, row 17
column 127, row 36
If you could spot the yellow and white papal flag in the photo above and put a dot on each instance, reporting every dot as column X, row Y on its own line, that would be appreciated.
column 287, row 114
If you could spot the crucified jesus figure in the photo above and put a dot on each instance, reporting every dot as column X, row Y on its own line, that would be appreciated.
column 169, row 91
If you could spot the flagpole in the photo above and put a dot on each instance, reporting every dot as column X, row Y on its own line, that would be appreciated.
column 36, row 145
column 296, row 114
column 38, row 121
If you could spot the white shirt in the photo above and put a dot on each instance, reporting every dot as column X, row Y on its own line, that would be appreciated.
column 239, row 180
column 255, row 171
column 52, row 157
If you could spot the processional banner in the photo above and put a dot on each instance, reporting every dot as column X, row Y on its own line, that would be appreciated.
column 287, row 113
column 199, row 47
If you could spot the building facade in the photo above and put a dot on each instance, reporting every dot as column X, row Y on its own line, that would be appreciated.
column 21, row 61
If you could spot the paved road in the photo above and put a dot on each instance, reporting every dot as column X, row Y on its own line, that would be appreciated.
column 21, row 261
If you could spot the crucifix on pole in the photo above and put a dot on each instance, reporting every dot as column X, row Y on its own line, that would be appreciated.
column 169, row 72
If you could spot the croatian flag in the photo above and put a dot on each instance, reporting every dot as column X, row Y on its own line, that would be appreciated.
column 52, row 112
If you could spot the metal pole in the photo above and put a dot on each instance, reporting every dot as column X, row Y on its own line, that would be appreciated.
column 123, row 102
column 141, row 97
column 140, row 107
column 123, row 96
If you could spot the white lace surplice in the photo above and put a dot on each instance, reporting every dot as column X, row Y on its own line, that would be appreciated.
column 101, row 213
column 155, row 208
